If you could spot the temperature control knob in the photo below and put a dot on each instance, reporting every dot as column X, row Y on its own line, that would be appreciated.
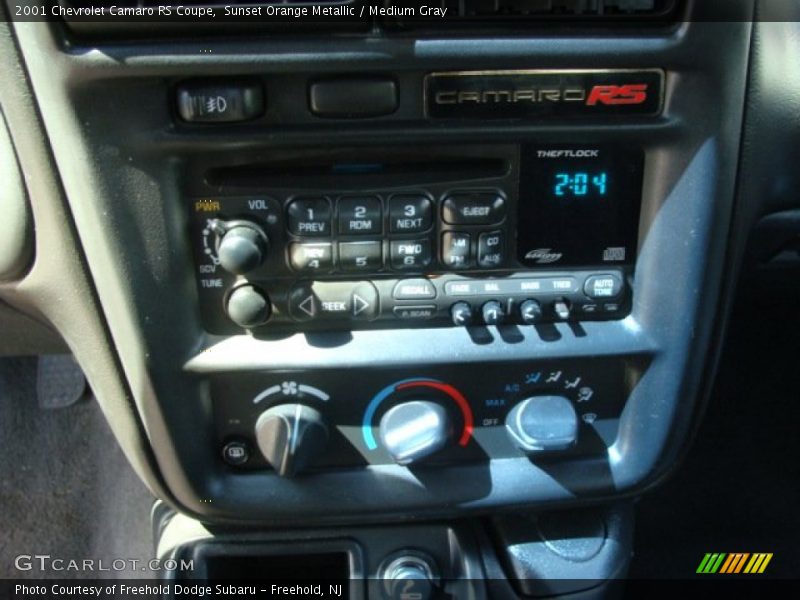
column 242, row 245
column 543, row 423
column 414, row 430
column 291, row 437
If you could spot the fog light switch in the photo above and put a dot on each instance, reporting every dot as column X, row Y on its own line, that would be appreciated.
column 220, row 103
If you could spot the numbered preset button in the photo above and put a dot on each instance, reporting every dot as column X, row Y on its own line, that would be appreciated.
column 410, row 255
column 360, row 256
column 311, row 258
column 310, row 217
column 360, row 215
column 410, row 213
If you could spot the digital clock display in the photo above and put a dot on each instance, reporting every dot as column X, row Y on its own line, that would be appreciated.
column 578, row 205
column 579, row 184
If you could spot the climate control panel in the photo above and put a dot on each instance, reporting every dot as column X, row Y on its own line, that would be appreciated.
column 297, row 422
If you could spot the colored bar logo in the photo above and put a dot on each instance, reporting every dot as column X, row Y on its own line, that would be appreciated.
column 735, row 562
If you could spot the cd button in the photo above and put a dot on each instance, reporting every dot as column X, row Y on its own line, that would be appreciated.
column 360, row 215
column 410, row 255
column 490, row 250
column 410, row 213
column 455, row 249
column 310, row 217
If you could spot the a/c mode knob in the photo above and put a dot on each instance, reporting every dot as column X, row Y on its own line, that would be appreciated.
column 414, row 430
column 542, row 423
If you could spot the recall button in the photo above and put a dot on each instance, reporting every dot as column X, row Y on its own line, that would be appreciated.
column 414, row 289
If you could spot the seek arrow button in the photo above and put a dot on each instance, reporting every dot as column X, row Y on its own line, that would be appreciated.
column 364, row 301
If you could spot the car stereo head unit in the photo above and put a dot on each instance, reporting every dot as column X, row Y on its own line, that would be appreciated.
column 465, row 235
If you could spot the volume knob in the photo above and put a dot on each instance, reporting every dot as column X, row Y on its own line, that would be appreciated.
column 242, row 246
column 291, row 437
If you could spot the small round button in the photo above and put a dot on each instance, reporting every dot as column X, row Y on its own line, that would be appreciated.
column 236, row 453
column 461, row 313
column 493, row 313
column 248, row 307
column 530, row 312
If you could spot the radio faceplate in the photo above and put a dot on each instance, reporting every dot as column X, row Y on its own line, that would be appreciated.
column 397, row 239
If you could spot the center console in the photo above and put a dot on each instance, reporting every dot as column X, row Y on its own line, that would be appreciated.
column 364, row 278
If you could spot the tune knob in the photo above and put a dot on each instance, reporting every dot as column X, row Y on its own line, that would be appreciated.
column 248, row 306
column 414, row 430
column 242, row 245
column 291, row 437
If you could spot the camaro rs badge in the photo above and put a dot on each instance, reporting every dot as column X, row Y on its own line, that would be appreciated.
column 543, row 94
